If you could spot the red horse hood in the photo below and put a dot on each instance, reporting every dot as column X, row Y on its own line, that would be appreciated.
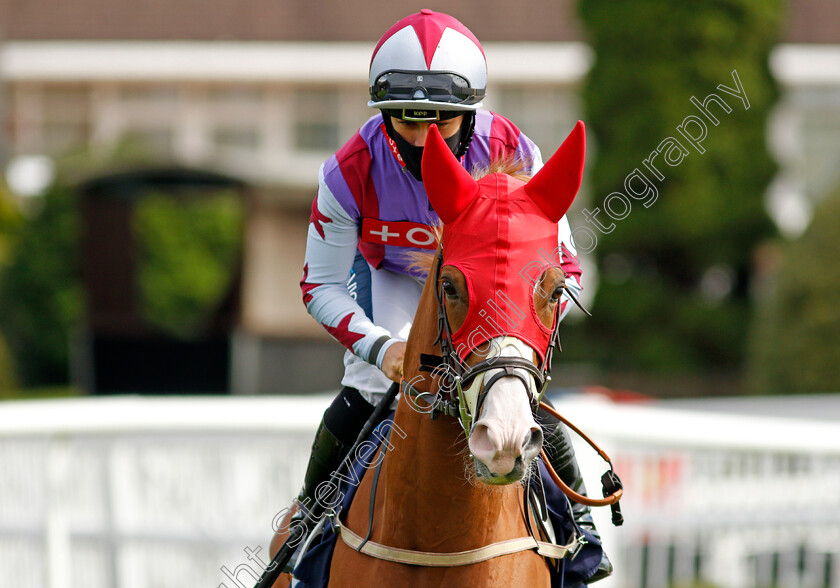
column 501, row 233
column 499, row 236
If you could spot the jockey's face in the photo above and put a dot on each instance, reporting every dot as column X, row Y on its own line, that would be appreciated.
column 416, row 132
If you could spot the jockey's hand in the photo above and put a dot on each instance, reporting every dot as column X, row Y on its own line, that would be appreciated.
column 392, row 363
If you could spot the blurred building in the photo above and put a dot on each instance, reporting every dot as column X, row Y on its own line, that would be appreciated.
column 804, row 133
column 265, row 91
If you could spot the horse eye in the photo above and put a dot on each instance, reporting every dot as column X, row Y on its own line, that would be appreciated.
column 558, row 292
column 449, row 289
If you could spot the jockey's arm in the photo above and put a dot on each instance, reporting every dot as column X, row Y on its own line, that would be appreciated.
column 330, row 249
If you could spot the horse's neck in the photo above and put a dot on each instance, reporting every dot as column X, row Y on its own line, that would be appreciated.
column 430, row 503
column 429, row 496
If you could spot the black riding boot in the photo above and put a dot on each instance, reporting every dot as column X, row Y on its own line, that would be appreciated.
column 326, row 455
column 561, row 454
column 342, row 423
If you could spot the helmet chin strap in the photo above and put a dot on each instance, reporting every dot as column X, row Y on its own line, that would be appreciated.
column 467, row 130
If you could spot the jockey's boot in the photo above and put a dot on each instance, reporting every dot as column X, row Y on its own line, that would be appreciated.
column 561, row 454
column 342, row 423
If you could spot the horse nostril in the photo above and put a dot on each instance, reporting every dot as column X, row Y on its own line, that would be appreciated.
column 480, row 442
column 532, row 443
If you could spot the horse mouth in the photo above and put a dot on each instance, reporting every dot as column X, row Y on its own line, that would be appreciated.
column 483, row 473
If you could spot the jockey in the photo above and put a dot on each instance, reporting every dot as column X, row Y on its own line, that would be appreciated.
column 371, row 209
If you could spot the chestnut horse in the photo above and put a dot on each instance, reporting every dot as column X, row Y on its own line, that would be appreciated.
column 448, row 485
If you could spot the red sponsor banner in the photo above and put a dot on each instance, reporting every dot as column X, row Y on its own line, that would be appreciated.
column 398, row 233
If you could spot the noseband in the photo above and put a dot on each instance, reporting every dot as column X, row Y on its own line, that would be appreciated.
column 472, row 390
column 464, row 398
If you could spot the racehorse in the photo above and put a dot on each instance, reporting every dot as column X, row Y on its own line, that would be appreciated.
column 447, row 507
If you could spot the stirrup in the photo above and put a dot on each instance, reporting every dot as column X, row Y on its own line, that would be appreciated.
column 303, row 546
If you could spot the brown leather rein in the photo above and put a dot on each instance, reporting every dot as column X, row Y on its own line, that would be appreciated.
column 611, row 484
column 609, row 499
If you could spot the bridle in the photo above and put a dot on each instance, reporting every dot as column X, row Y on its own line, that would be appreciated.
column 464, row 399
column 465, row 396
column 471, row 391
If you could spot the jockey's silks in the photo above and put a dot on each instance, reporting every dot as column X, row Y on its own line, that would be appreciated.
column 366, row 200
column 501, row 233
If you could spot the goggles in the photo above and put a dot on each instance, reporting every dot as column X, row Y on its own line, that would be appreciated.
column 436, row 86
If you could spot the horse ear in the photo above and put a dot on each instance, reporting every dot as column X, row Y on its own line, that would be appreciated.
column 449, row 186
column 555, row 186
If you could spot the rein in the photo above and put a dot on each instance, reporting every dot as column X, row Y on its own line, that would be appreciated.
column 472, row 389
column 467, row 378
column 613, row 490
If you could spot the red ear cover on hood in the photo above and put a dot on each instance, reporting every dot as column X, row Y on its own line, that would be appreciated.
column 555, row 186
column 449, row 186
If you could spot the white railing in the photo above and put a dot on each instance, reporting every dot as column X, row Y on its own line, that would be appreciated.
column 725, row 500
column 132, row 492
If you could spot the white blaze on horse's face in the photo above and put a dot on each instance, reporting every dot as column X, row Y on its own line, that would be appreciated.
column 505, row 436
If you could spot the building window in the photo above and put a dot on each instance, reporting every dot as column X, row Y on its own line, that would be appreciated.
column 66, row 118
column 546, row 114
column 61, row 137
column 157, row 142
column 316, row 120
column 150, row 96
column 237, row 96
column 236, row 138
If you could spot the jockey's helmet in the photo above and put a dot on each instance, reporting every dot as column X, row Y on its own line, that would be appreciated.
column 428, row 66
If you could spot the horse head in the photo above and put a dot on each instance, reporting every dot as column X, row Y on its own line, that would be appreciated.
column 498, row 287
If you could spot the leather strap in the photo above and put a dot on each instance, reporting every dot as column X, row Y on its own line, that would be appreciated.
column 609, row 499
column 458, row 558
column 438, row 404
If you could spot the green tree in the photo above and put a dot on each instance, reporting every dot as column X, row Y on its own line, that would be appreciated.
column 187, row 249
column 674, row 275
column 10, row 221
column 188, row 252
column 40, row 290
column 41, row 299
column 795, row 337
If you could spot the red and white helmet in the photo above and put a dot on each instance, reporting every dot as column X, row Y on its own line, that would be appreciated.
column 428, row 60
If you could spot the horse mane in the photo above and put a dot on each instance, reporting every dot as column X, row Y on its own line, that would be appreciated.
column 421, row 262
column 512, row 166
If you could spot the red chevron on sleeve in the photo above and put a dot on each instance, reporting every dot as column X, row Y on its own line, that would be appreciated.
column 318, row 219
column 344, row 335
column 307, row 287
